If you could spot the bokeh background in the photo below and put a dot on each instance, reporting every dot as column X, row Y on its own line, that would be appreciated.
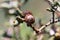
column 38, row 8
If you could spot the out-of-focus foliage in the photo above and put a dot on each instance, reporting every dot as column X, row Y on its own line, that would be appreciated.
column 38, row 8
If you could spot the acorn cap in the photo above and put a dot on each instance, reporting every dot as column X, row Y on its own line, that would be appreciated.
column 26, row 12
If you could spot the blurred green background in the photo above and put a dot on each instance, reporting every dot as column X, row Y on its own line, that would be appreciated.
column 37, row 7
